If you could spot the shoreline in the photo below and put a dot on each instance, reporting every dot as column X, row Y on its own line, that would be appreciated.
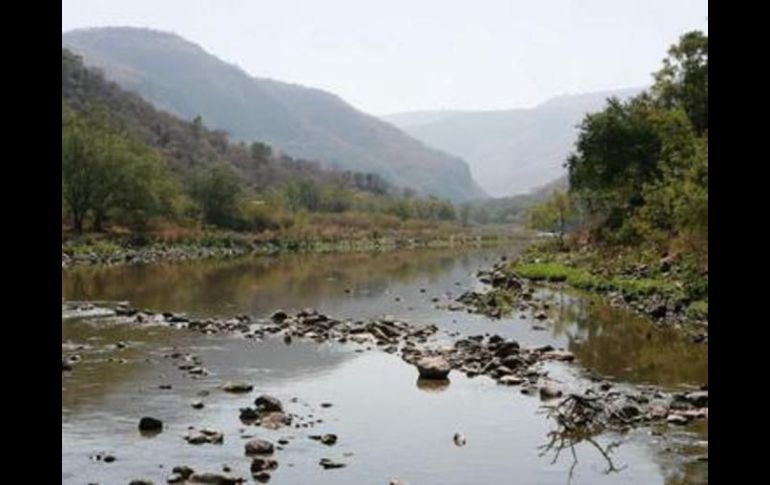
column 660, row 298
column 112, row 254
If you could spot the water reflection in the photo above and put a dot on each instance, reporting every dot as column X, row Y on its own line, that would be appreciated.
column 432, row 385
column 259, row 285
column 618, row 343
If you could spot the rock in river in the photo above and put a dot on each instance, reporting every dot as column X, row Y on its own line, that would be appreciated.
column 205, row 436
column 433, row 368
column 698, row 399
column 184, row 471
column 237, row 387
column 260, row 464
column 259, row 447
column 150, row 424
column 268, row 404
column 677, row 419
column 215, row 478
column 549, row 391
column 328, row 463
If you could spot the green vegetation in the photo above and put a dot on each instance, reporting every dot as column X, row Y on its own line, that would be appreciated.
column 137, row 174
column 640, row 168
column 638, row 197
column 553, row 214
column 306, row 123
column 583, row 279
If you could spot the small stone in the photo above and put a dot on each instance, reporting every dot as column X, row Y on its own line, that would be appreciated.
column 328, row 463
column 698, row 399
column 268, row 404
column 259, row 447
column 510, row 380
column 261, row 464
column 562, row 355
column 459, row 439
column 237, row 387
column 184, row 471
column 197, row 404
column 150, row 424
column 549, row 392
column 261, row 477
column 215, row 478
column 329, row 439
column 326, row 404
column 279, row 316
column 677, row 419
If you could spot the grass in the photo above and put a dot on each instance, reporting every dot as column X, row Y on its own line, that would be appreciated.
column 698, row 309
column 585, row 280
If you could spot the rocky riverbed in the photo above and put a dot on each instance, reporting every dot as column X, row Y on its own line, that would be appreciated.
column 593, row 407
column 425, row 382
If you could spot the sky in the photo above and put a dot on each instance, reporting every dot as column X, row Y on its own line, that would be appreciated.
column 389, row 56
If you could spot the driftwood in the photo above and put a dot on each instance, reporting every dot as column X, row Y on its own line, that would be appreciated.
column 580, row 418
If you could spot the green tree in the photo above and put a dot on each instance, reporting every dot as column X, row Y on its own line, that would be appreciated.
column 261, row 152
column 553, row 214
column 217, row 191
column 105, row 172
column 683, row 80
column 78, row 160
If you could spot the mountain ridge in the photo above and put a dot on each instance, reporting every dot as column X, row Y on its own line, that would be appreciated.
column 511, row 151
column 183, row 78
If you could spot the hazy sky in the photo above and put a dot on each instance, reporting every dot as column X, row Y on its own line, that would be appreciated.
column 386, row 56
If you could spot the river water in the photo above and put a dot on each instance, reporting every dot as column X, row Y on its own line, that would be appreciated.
column 388, row 426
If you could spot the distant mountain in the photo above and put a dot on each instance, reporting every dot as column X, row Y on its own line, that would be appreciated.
column 510, row 151
column 182, row 78
column 183, row 144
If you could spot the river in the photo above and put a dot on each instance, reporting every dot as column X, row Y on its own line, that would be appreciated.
column 388, row 426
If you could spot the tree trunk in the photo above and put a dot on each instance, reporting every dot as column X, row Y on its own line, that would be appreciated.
column 99, row 222
column 77, row 222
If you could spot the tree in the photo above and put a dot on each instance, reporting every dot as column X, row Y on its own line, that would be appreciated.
column 197, row 127
column 683, row 80
column 217, row 192
column 640, row 168
column 105, row 172
column 616, row 154
column 77, row 164
column 261, row 152
column 465, row 214
column 553, row 214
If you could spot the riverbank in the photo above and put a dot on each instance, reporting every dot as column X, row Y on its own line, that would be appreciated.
column 108, row 249
column 669, row 289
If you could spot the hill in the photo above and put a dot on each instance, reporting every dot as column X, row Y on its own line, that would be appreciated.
column 182, row 78
column 510, row 151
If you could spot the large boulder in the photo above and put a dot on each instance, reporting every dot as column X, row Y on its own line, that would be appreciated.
column 433, row 367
